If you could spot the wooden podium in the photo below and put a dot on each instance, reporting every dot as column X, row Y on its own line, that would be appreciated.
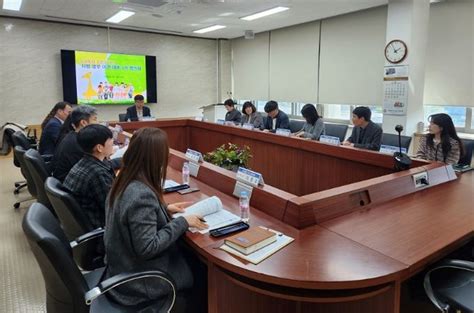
column 213, row 112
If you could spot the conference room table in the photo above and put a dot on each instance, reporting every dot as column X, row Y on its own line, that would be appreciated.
column 342, row 260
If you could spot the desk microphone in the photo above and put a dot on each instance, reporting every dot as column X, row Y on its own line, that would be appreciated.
column 402, row 161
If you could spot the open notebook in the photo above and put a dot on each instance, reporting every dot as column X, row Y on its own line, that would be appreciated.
column 213, row 213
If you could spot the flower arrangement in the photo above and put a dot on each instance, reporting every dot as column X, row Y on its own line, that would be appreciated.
column 229, row 157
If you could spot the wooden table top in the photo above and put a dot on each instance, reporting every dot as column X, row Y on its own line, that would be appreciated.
column 415, row 228
column 317, row 259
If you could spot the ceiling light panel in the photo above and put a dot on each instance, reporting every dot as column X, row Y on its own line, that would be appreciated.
column 264, row 13
column 120, row 16
column 208, row 29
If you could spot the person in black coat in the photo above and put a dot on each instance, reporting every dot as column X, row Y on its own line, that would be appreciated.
column 51, row 127
column 138, row 111
column 276, row 118
column 365, row 134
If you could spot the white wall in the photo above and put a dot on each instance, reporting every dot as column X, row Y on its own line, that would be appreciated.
column 351, row 59
column 30, row 68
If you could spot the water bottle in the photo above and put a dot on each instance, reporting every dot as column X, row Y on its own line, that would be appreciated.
column 244, row 206
column 185, row 173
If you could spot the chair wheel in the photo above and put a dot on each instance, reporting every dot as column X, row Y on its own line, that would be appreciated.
column 17, row 185
column 16, row 205
column 16, row 191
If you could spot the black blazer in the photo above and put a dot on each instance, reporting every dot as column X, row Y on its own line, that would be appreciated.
column 132, row 113
column 371, row 139
column 282, row 121
column 49, row 136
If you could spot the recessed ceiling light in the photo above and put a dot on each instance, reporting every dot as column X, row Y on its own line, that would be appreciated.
column 120, row 16
column 264, row 13
column 209, row 29
column 12, row 5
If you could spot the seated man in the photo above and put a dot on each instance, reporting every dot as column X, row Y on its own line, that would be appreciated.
column 276, row 118
column 232, row 114
column 51, row 127
column 90, row 179
column 365, row 134
column 138, row 111
column 68, row 151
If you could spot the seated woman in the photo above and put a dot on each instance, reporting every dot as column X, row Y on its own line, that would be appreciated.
column 314, row 126
column 232, row 115
column 442, row 143
column 140, row 234
column 251, row 116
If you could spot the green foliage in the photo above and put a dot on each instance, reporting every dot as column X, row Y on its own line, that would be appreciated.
column 229, row 156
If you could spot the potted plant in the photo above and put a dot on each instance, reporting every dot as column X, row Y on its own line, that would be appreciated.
column 229, row 156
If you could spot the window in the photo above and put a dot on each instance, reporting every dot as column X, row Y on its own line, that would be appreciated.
column 337, row 112
column 377, row 114
column 458, row 114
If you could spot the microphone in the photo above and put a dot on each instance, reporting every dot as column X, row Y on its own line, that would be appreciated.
column 402, row 161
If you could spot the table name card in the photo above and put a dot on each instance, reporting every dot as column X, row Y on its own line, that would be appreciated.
column 247, row 126
column 283, row 132
column 194, row 156
column 249, row 177
column 386, row 149
column 330, row 140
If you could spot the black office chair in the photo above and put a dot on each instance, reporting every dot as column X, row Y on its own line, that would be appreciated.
column 19, row 138
column 450, row 286
column 336, row 130
column 392, row 140
column 67, row 289
column 39, row 171
column 19, row 154
column 122, row 117
column 466, row 159
column 75, row 224
column 296, row 125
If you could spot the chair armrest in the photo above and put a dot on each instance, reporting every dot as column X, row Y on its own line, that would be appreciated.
column 86, row 237
column 47, row 157
column 456, row 264
column 124, row 278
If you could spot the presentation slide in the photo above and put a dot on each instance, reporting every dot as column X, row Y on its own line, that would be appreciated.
column 109, row 78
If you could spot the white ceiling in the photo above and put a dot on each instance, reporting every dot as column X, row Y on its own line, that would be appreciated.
column 183, row 16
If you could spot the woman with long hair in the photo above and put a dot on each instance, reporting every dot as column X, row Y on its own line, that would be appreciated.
column 442, row 144
column 314, row 126
column 140, row 234
column 51, row 127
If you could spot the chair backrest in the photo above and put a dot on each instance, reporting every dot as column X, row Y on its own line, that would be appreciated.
column 65, row 285
column 466, row 159
column 336, row 130
column 392, row 140
column 122, row 117
column 35, row 163
column 73, row 220
column 296, row 125
column 19, row 153
column 19, row 139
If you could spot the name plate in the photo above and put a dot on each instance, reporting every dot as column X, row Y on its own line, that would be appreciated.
column 193, row 169
column 229, row 123
column 330, row 140
column 249, row 177
column 247, row 126
column 220, row 122
column 193, row 156
column 239, row 187
column 283, row 132
column 386, row 149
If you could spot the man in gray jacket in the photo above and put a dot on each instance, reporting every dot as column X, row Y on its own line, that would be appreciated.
column 365, row 134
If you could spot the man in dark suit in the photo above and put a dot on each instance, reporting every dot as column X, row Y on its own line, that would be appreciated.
column 276, row 118
column 365, row 134
column 138, row 111
column 51, row 127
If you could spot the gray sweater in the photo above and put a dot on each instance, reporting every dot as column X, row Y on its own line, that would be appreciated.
column 255, row 119
column 140, row 236
column 313, row 132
